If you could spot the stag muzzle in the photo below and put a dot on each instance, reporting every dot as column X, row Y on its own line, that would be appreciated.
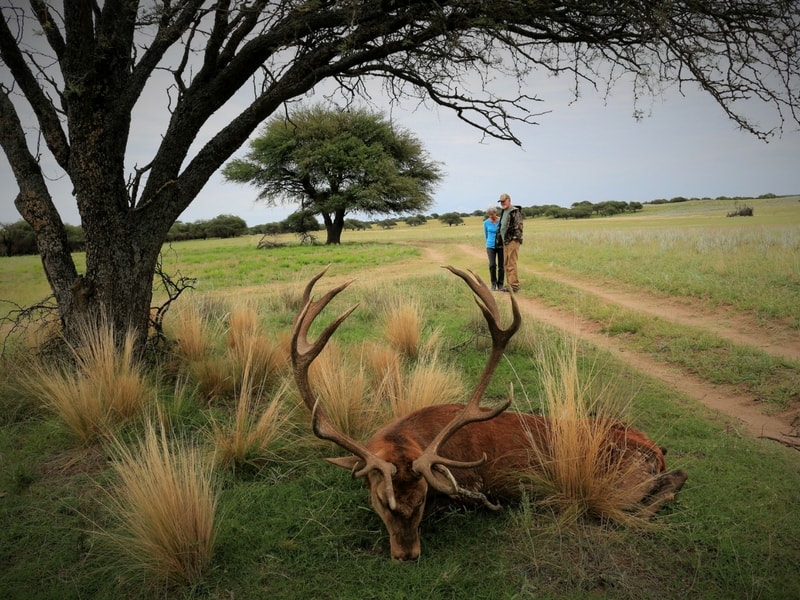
column 405, row 545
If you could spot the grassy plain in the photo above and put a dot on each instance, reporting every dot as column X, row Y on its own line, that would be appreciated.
column 294, row 526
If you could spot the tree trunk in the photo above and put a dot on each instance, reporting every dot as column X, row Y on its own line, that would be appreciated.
column 121, row 254
column 120, row 262
column 334, row 227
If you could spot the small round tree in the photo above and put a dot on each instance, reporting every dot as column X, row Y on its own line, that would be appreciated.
column 334, row 163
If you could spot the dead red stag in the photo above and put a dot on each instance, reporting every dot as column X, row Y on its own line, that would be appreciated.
column 461, row 452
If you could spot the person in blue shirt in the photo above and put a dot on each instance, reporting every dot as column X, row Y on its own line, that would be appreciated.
column 494, row 247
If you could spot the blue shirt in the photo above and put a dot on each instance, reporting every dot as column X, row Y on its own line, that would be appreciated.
column 490, row 231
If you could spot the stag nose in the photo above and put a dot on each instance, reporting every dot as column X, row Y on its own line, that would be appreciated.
column 406, row 556
column 405, row 552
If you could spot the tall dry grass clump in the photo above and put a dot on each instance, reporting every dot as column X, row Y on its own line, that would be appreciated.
column 164, row 508
column 403, row 327
column 339, row 382
column 580, row 474
column 194, row 332
column 198, row 337
column 400, row 386
column 251, row 349
column 258, row 423
column 104, row 385
column 215, row 357
column 426, row 384
column 385, row 368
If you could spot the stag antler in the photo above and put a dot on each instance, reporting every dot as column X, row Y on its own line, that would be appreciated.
column 431, row 464
column 303, row 354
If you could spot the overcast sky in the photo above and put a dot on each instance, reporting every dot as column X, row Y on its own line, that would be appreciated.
column 592, row 149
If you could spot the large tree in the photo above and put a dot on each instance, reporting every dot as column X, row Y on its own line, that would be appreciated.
column 336, row 162
column 73, row 74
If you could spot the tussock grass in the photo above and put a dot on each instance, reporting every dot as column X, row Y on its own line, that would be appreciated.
column 164, row 509
column 403, row 327
column 197, row 334
column 214, row 350
column 361, row 392
column 340, row 384
column 254, row 355
column 213, row 376
column 194, row 332
column 426, row 384
column 104, row 387
column 385, row 364
column 579, row 475
column 257, row 425
column 401, row 386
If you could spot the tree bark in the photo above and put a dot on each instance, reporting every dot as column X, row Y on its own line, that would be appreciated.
column 334, row 226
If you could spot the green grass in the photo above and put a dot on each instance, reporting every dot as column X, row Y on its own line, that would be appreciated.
column 296, row 526
column 687, row 250
column 238, row 263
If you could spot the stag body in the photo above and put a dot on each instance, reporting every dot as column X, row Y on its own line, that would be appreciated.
column 464, row 453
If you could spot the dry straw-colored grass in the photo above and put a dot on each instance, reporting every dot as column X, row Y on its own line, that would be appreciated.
column 164, row 507
column 339, row 381
column 385, row 366
column 400, row 386
column 214, row 371
column 103, row 388
column 195, row 332
column 365, row 386
column 257, row 424
column 403, row 327
column 578, row 475
column 213, row 377
column 427, row 384
column 251, row 349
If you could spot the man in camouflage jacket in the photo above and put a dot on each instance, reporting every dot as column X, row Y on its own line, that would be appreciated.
column 511, row 232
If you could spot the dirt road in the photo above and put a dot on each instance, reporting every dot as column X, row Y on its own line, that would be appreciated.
column 745, row 412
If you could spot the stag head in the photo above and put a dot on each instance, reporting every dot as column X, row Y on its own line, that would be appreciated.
column 401, row 464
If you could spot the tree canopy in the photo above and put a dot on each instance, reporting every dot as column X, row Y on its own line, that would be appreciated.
column 79, row 76
column 334, row 163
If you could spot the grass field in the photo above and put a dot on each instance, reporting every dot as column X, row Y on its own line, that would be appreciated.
column 289, row 525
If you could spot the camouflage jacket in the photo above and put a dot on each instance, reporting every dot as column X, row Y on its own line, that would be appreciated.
column 512, row 230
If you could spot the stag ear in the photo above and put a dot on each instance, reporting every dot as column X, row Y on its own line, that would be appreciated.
column 346, row 462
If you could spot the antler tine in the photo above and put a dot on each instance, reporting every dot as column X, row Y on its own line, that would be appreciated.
column 303, row 354
column 472, row 411
column 301, row 348
column 500, row 336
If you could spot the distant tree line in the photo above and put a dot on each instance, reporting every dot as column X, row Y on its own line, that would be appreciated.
column 578, row 210
column 737, row 198
column 18, row 239
column 223, row 226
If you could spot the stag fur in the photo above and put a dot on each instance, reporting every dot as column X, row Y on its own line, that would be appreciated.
column 463, row 452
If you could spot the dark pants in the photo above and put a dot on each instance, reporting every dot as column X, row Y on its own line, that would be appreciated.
column 496, row 272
